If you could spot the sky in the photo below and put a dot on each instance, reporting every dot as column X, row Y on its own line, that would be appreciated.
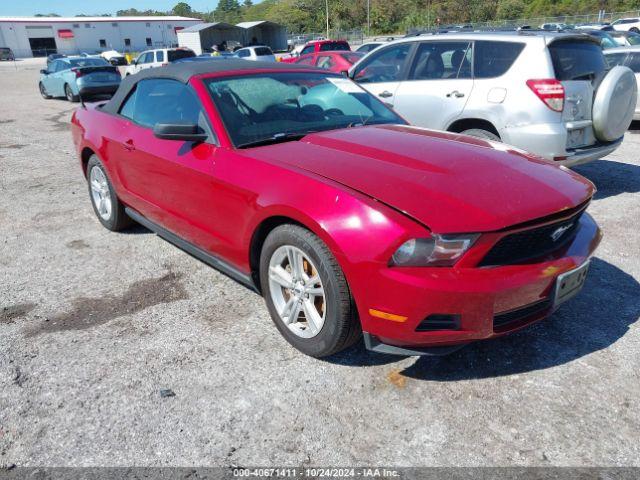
column 69, row 8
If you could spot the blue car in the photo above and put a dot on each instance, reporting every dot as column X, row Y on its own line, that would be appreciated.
column 75, row 77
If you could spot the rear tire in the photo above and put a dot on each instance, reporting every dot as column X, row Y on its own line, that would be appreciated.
column 43, row 92
column 105, row 202
column 336, row 325
column 70, row 95
column 480, row 133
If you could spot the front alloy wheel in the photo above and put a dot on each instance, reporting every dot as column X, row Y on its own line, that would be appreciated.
column 306, row 292
column 296, row 291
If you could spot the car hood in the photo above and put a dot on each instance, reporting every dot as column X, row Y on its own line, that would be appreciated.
column 449, row 182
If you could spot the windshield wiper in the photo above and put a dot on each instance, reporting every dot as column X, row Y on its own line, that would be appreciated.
column 277, row 138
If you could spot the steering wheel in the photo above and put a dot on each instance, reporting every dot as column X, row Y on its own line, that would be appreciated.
column 333, row 112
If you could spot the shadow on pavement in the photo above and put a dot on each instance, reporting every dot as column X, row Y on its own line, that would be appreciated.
column 611, row 177
column 599, row 316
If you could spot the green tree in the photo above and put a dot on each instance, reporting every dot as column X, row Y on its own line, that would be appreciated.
column 182, row 9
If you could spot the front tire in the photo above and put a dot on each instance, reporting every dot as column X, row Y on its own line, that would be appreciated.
column 306, row 292
column 43, row 92
column 105, row 202
column 72, row 97
column 481, row 133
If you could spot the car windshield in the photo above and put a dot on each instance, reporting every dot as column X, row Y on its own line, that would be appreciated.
column 275, row 107
column 88, row 62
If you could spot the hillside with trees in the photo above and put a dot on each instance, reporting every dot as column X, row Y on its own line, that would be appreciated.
column 387, row 16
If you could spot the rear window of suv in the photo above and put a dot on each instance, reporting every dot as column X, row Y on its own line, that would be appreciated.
column 178, row 54
column 334, row 46
column 493, row 59
column 577, row 60
column 263, row 51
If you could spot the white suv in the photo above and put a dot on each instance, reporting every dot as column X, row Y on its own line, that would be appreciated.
column 543, row 92
column 157, row 58
column 627, row 25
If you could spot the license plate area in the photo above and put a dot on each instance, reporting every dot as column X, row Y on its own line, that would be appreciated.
column 577, row 138
column 570, row 283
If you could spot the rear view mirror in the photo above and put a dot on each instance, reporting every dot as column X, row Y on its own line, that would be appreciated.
column 179, row 131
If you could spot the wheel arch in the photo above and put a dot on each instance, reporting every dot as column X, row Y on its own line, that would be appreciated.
column 272, row 221
column 85, row 155
column 463, row 124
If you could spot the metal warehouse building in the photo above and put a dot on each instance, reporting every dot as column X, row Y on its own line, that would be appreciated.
column 203, row 36
column 40, row 36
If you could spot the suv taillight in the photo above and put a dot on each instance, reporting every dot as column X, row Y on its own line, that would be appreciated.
column 550, row 91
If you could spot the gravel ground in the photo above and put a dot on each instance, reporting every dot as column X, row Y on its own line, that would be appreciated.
column 95, row 325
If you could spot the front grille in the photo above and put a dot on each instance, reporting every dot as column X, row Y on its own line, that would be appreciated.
column 502, row 320
column 532, row 243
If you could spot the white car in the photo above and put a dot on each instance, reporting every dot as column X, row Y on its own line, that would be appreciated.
column 629, row 57
column 627, row 25
column 114, row 57
column 540, row 92
column 256, row 53
column 157, row 58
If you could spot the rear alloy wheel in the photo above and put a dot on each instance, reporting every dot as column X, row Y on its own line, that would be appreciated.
column 72, row 97
column 306, row 292
column 481, row 133
column 43, row 92
column 106, row 205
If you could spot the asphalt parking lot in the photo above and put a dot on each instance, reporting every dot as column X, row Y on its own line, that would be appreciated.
column 95, row 325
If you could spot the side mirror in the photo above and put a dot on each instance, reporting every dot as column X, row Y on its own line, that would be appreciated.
column 345, row 73
column 179, row 131
column 44, row 71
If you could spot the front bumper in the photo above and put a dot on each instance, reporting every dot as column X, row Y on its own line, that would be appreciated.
column 487, row 301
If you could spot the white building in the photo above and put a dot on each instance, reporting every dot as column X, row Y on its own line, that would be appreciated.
column 39, row 36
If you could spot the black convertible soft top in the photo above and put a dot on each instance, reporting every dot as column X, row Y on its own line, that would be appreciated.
column 183, row 72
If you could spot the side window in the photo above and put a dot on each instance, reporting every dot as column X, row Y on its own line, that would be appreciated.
column 126, row 110
column 147, row 58
column 307, row 49
column 164, row 101
column 441, row 60
column 160, row 56
column 493, row 59
column 325, row 61
column 54, row 67
column 384, row 65
column 306, row 60
column 243, row 53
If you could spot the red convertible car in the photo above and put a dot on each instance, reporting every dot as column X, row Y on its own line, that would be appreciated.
column 302, row 186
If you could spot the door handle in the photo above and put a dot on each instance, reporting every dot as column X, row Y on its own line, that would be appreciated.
column 128, row 145
column 456, row 94
column 385, row 94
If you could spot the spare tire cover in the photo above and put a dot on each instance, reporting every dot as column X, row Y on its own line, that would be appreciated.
column 615, row 104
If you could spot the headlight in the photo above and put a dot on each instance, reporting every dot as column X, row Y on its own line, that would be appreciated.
column 437, row 251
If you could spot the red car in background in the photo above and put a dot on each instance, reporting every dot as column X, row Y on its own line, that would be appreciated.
column 338, row 62
column 304, row 187
column 319, row 46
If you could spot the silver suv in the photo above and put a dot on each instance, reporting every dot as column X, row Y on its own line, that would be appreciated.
column 547, row 93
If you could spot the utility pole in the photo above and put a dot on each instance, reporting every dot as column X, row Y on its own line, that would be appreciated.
column 368, row 18
column 327, row 4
